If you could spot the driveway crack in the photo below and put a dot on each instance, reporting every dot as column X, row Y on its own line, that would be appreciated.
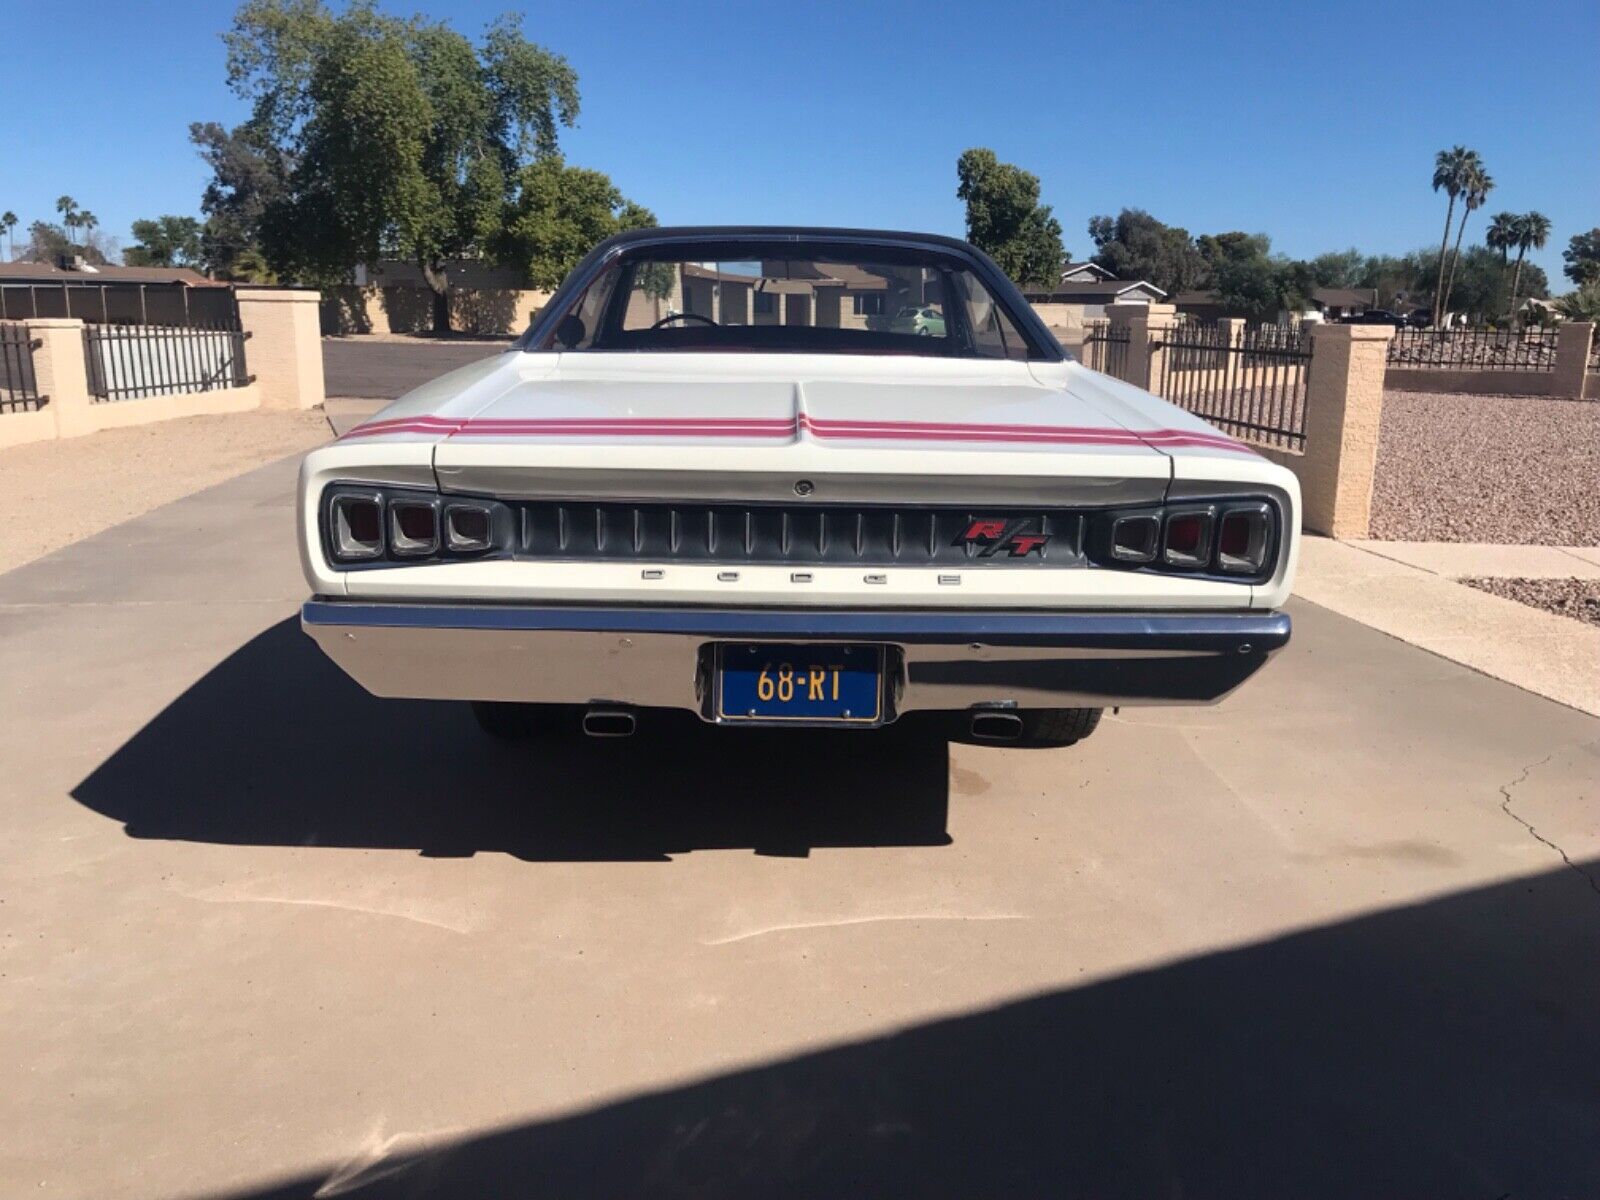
column 1505, row 807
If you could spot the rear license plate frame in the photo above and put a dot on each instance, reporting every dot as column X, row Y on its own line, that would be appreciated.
column 749, row 709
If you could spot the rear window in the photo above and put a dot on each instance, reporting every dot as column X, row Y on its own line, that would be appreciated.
column 789, row 297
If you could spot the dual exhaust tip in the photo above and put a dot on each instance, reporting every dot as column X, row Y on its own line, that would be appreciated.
column 995, row 725
column 609, row 723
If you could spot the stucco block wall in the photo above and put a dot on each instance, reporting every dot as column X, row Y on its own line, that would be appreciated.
column 1344, row 414
column 404, row 308
column 284, row 352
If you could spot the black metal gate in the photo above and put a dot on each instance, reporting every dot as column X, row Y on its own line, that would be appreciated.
column 19, row 389
column 1105, row 348
column 1251, row 383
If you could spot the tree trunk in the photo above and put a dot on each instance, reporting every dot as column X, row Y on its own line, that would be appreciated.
column 1444, row 244
column 1516, row 283
column 439, row 284
column 1455, row 257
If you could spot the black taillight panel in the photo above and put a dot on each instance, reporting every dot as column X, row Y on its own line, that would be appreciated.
column 1235, row 540
column 376, row 526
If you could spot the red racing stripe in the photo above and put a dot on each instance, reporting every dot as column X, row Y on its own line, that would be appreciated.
column 784, row 427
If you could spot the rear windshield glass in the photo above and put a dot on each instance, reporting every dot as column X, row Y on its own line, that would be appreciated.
column 789, row 297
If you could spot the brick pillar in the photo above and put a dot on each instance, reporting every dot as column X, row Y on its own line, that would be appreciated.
column 1572, row 359
column 1344, row 408
column 60, row 372
column 284, row 352
column 1147, row 325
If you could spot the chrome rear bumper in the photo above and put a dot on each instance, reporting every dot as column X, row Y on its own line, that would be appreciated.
column 661, row 657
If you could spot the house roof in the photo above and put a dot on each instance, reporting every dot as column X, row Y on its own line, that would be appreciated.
column 1073, row 268
column 1332, row 297
column 35, row 272
column 1103, row 291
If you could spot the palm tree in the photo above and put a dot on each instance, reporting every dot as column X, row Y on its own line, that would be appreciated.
column 68, row 208
column 1502, row 236
column 1533, row 231
column 1453, row 170
column 87, row 221
column 1477, row 192
column 8, row 219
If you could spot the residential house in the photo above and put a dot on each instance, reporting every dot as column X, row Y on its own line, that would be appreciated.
column 1336, row 303
column 109, row 294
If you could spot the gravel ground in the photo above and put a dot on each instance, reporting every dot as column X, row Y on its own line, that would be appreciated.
column 1575, row 598
column 1508, row 469
column 79, row 486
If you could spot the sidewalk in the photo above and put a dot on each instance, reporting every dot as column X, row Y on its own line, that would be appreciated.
column 1408, row 590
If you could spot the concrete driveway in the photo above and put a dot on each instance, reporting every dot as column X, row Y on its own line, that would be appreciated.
column 262, row 935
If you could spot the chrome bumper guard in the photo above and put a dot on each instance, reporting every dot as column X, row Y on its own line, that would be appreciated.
column 661, row 657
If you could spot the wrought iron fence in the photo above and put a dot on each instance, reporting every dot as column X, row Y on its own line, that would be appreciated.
column 1105, row 347
column 1253, row 386
column 19, row 387
column 1474, row 349
column 132, row 362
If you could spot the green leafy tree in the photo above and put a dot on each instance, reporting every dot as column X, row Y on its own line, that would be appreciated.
column 46, row 242
column 1478, row 186
column 1395, row 277
column 1582, row 257
column 166, row 241
column 1481, row 284
column 248, row 173
column 559, row 215
column 1532, row 232
column 399, row 136
column 1248, row 279
column 1453, row 172
column 1134, row 245
column 1581, row 305
column 8, row 221
column 1338, row 268
column 1005, row 219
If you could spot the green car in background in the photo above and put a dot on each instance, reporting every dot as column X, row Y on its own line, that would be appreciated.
column 929, row 322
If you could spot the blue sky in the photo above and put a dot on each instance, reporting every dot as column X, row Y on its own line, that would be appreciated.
column 1315, row 124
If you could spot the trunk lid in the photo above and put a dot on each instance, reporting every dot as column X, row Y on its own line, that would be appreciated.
column 753, row 427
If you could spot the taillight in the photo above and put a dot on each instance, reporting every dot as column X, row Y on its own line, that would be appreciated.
column 1187, row 540
column 467, row 528
column 372, row 525
column 1135, row 539
column 413, row 528
column 1243, row 538
column 1234, row 538
column 357, row 527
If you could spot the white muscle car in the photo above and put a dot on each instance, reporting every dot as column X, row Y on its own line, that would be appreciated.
column 710, row 477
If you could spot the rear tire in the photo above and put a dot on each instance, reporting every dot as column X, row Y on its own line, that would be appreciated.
column 1058, row 726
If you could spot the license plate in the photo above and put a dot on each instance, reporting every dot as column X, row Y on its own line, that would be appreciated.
column 822, row 685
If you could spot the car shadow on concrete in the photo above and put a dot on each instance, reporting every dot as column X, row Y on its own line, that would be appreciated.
column 276, row 746
column 1449, row 1048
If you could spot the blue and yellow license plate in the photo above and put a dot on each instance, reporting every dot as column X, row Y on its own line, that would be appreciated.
column 819, row 685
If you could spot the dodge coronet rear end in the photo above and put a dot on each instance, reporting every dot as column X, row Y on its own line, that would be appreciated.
column 712, row 477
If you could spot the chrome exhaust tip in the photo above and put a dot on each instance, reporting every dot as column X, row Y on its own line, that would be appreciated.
column 609, row 723
column 996, row 726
